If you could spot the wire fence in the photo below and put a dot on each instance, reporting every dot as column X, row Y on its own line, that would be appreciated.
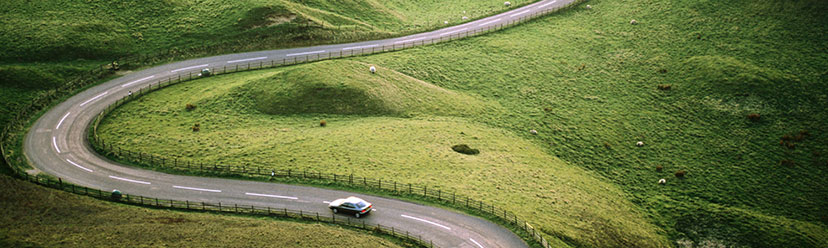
column 154, row 202
column 11, row 134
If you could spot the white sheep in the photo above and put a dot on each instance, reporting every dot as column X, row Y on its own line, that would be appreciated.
column 465, row 17
column 533, row 131
column 662, row 181
column 373, row 69
column 639, row 144
column 633, row 22
column 589, row 6
column 445, row 22
column 507, row 4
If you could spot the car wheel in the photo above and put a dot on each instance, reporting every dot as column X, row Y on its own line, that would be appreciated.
column 357, row 215
column 334, row 210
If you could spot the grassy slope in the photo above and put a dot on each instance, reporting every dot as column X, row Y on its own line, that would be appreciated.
column 38, row 217
column 586, row 80
column 363, row 122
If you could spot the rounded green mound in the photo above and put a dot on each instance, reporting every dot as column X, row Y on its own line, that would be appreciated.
column 348, row 87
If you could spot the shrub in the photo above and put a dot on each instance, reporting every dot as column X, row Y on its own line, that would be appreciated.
column 786, row 137
column 659, row 168
column 790, row 145
column 607, row 145
column 754, row 117
column 786, row 162
column 465, row 149
column 665, row 86
column 196, row 127
column 804, row 133
column 681, row 173
column 662, row 70
column 190, row 107
column 323, row 123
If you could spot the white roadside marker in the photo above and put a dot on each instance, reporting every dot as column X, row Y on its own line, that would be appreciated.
column 426, row 221
column 197, row 189
column 245, row 60
column 191, row 67
column 272, row 196
column 136, row 81
column 128, row 180
column 61, row 120
column 94, row 98
column 54, row 142
column 305, row 53
column 77, row 165
column 475, row 242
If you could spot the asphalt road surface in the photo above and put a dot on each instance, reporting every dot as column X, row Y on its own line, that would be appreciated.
column 57, row 145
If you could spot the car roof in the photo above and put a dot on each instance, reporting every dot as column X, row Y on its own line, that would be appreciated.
column 354, row 199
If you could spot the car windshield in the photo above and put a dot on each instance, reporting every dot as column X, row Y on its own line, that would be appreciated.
column 361, row 205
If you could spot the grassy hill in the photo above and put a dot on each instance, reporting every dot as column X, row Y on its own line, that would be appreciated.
column 593, row 85
column 34, row 216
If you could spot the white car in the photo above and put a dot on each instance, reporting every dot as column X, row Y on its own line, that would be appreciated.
column 351, row 205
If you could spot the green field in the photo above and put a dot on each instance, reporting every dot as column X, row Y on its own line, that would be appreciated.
column 35, row 216
column 587, row 81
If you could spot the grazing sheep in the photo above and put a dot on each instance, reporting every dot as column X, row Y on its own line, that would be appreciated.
column 445, row 22
column 633, row 22
column 373, row 69
column 639, row 144
column 589, row 6
column 662, row 181
column 533, row 131
column 507, row 4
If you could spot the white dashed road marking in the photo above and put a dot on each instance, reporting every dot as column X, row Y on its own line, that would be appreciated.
column 489, row 22
column 359, row 47
column 475, row 242
column 272, row 196
column 61, row 120
column 547, row 4
column 520, row 13
column 136, row 81
column 77, row 165
column 191, row 67
column 305, row 53
column 198, row 189
column 94, row 98
column 409, row 40
column 455, row 31
column 245, row 60
column 54, row 142
column 129, row 180
column 426, row 221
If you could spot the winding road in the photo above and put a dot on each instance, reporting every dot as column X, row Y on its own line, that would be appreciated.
column 57, row 145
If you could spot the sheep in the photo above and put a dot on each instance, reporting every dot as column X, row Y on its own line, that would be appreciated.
column 373, row 69
column 533, row 131
column 639, row 144
column 633, row 22
column 465, row 17
column 662, row 181
column 589, row 6
column 507, row 4
column 445, row 22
